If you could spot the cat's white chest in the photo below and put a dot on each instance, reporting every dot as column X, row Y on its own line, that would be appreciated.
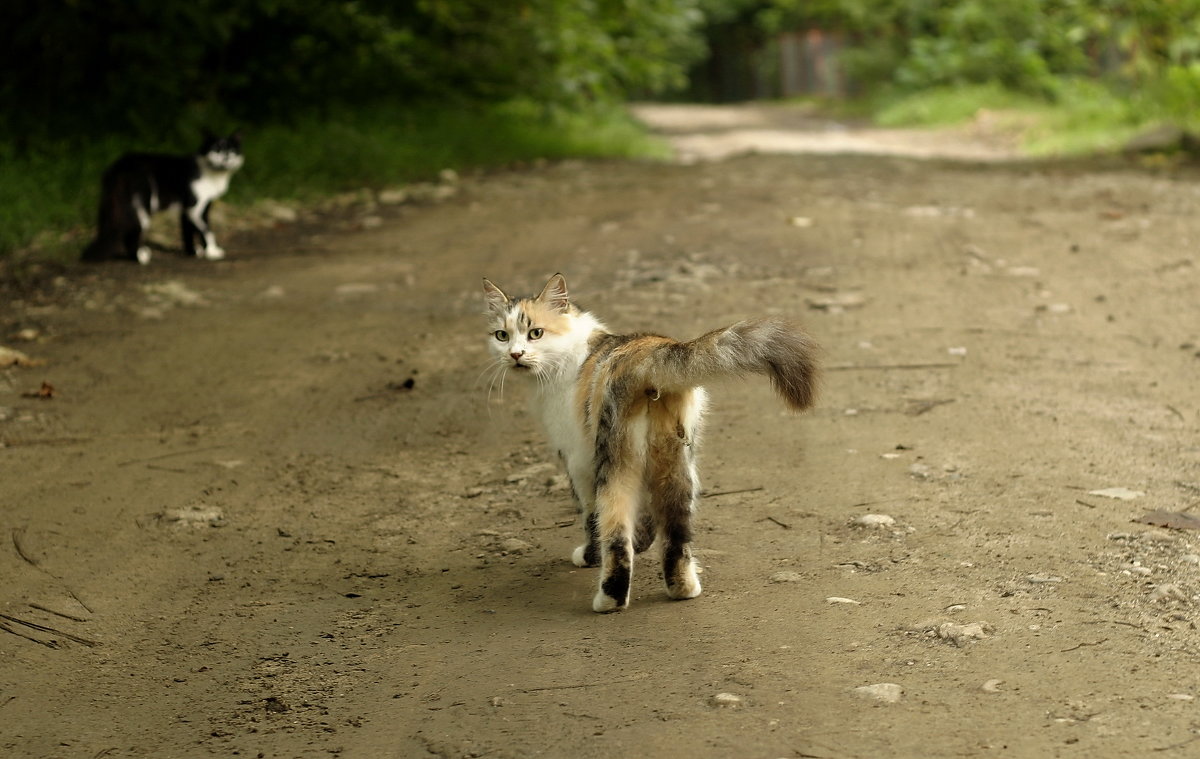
column 554, row 406
column 210, row 186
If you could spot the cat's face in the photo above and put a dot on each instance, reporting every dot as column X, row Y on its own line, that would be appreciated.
column 223, row 153
column 530, row 335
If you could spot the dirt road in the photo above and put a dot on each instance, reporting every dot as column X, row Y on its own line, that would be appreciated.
column 271, row 509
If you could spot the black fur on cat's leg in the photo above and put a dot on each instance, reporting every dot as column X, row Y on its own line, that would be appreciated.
column 189, row 232
column 673, row 501
column 588, row 554
column 643, row 536
column 616, row 572
column 132, row 241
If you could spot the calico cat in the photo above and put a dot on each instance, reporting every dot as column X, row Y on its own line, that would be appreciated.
column 624, row 411
column 138, row 185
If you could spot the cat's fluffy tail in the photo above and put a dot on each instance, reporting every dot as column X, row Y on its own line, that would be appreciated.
column 771, row 346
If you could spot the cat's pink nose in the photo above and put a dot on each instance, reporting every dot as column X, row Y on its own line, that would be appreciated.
column 517, row 355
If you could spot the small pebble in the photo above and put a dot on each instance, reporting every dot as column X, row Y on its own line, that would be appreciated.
column 787, row 577
column 728, row 700
column 1122, row 494
column 991, row 686
column 515, row 545
column 1040, row 578
column 960, row 634
column 840, row 600
column 874, row 521
column 1166, row 592
column 920, row 471
column 887, row 692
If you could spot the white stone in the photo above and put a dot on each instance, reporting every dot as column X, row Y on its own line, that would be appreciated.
column 875, row 521
column 728, row 700
column 887, row 692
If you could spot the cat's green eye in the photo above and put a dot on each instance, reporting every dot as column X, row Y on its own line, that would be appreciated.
column 501, row 335
column 536, row 333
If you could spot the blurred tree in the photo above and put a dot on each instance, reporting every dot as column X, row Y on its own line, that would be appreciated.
column 1025, row 45
column 149, row 66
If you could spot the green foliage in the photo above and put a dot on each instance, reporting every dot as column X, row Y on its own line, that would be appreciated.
column 1023, row 45
column 1085, row 116
column 380, row 145
column 948, row 105
column 147, row 67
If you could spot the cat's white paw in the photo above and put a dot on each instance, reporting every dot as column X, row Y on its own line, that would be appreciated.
column 578, row 554
column 143, row 255
column 688, row 585
column 603, row 603
column 214, row 253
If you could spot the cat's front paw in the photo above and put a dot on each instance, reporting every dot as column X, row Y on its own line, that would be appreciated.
column 143, row 255
column 686, row 583
column 214, row 253
column 579, row 557
column 603, row 603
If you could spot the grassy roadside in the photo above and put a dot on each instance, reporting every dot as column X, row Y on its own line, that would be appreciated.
column 1083, row 118
column 48, row 195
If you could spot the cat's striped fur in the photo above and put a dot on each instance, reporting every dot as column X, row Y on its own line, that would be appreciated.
column 624, row 412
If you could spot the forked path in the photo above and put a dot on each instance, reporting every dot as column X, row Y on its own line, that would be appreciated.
column 271, row 509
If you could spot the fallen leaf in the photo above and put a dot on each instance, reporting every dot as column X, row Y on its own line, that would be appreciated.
column 46, row 392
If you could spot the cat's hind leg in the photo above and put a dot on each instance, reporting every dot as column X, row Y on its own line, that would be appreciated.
column 615, row 506
column 619, row 489
column 587, row 554
column 674, row 486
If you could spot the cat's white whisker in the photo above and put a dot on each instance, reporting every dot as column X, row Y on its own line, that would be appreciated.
column 499, row 370
column 492, row 366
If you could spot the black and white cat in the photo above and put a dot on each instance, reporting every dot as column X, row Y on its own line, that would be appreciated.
column 138, row 185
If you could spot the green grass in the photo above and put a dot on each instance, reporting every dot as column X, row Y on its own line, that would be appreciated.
column 48, row 194
column 1083, row 118
column 946, row 105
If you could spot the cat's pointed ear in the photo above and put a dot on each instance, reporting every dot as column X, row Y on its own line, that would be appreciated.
column 554, row 294
column 497, row 301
